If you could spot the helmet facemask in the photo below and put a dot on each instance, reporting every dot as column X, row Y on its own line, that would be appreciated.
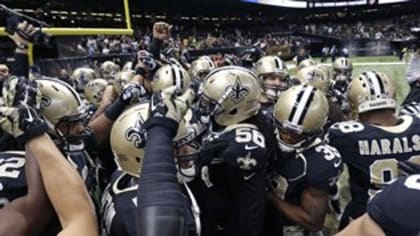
column 299, row 139
column 209, row 108
column 342, row 74
column 64, row 126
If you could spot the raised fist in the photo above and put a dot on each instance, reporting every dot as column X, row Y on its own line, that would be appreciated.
column 162, row 30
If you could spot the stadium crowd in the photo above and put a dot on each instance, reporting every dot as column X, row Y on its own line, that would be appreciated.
column 218, row 144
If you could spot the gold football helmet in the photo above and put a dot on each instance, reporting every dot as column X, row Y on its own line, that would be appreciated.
column 230, row 94
column 306, row 63
column 271, row 68
column 122, row 79
column 94, row 90
column 81, row 76
column 342, row 69
column 109, row 69
column 128, row 137
column 315, row 77
column 201, row 67
column 61, row 104
column 171, row 75
column 371, row 91
column 299, row 115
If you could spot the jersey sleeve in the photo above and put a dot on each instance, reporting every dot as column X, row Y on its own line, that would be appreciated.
column 325, row 171
column 395, row 209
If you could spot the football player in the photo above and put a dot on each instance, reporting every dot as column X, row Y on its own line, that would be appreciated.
column 305, row 167
column 72, row 203
column 274, row 77
column 392, row 211
column 128, row 140
column 372, row 145
column 201, row 67
column 66, row 116
column 233, row 160
column 317, row 78
column 80, row 77
column 109, row 69
column 342, row 72
column 93, row 92
column 161, row 205
column 29, row 214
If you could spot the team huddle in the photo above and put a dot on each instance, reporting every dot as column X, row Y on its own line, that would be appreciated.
column 166, row 147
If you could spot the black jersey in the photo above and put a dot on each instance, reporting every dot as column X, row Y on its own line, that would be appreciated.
column 396, row 208
column 12, row 176
column 80, row 159
column 232, row 176
column 371, row 153
column 119, row 203
column 318, row 166
column 267, row 111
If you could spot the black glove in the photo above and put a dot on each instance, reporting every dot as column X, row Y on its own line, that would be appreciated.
column 147, row 59
column 168, row 109
column 21, row 90
column 131, row 93
column 22, row 122
column 408, row 168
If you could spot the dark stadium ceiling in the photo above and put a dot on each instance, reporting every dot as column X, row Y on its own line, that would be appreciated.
column 209, row 5
column 195, row 7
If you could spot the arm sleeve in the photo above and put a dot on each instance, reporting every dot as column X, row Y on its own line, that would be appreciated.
column 21, row 65
column 161, row 204
column 155, row 47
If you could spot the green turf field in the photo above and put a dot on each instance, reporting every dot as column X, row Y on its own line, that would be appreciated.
column 396, row 72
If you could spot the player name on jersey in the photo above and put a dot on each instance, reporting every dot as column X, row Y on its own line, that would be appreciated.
column 386, row 146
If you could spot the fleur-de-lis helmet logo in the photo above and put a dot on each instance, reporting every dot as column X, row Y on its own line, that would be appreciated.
column 136, row 134
column 238, row 91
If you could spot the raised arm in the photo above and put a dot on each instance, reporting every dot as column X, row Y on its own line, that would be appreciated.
column 31, row 213
column 65, row 188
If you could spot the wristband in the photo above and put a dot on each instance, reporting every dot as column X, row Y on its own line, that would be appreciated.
column 113, row 110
